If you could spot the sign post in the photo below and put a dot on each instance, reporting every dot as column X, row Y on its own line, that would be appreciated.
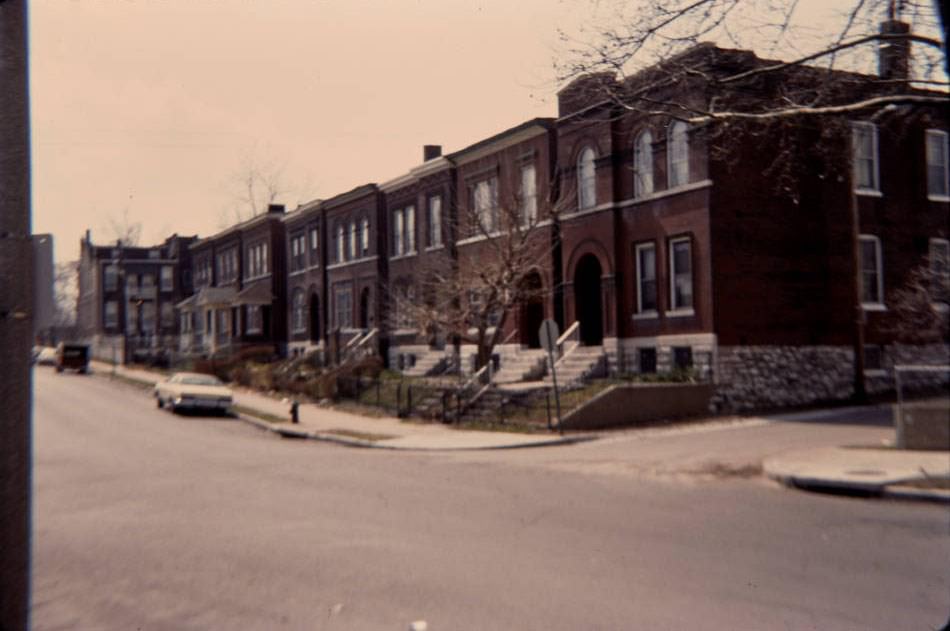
column 549, row 334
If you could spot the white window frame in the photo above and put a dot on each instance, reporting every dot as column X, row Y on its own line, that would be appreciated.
column 343, row 314
column 485, row 205
column 943, row 179
column 675, row 308
column 364, row 236
column 874, row 188
column 167, row 275
column 410, row 223
column 529, row 194
column 878, row 271
column 314, row 254
column 586, row 178
column 398, row 234
column 435, row 221
column 340, row 242
column 353, row 252
column 254, row 319
column 111, row 273
column 298, row 307
column 641, row 312
column 643, row 164
column 110, row 316
column 677, row 154
column 167, row 315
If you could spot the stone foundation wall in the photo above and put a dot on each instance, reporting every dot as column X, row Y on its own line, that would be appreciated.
column 756, row 377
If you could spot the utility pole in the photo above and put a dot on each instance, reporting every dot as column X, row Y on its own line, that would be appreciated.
column 16, row 318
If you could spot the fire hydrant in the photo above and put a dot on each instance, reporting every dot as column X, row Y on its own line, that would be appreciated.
column 294, row 412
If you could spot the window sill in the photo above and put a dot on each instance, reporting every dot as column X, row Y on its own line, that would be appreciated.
column 407, row 255
column 680, row 313
column 938, row 198
column 250, row 278
column 435, row 248
column 875, row 372
column 873, row 306
column 646, row 315
column 868, row 192
column 297, row 272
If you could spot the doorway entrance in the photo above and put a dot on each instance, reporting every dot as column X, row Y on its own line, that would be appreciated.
column 364, row 308
column 532, row 310
column 587, row 300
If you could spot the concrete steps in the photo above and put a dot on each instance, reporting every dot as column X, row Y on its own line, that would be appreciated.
column 425, row 364
column 526, row 365
column 580, row 364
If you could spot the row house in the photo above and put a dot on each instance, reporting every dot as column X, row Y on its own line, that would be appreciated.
column 127, row 296
column 240, row 282
column 681, row 252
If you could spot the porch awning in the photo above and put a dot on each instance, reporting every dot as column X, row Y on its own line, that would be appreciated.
column 215, row 297
column 188, row 304
column 257, row 294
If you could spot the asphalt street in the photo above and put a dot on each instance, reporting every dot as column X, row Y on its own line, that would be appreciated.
column 146, row 520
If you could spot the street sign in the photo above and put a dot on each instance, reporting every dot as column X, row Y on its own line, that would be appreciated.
column 549, row 335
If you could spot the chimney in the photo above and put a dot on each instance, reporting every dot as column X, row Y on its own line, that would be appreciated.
column 88, row 235
column 893, row 62
column 431, row 152
column 275, row 208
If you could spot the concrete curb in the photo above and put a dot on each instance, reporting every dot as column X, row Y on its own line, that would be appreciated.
column 864, row 489
column 286, row 431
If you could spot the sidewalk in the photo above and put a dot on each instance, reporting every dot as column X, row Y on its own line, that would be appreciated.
column 881, row 471
column 353, row 430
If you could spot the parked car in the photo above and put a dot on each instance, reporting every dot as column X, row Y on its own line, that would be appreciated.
column 72, row 356
column 44, row 355
column 194, row 391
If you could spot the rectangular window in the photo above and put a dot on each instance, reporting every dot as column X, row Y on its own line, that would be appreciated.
column 265, row 261
column 254, row 320
column 110, row 318
column 223, row 323
column 485, row 205
column 646, row 278
column 364, row 237
column 678, row 159
column 132, row 283
column 873, row 357
column 529, row 195
column 937, row 178
column 111, row 280
column 398, row 233
column 343, row 307
column 131, row 318
column 681, row 274
column 410, row 229
column 148, row 317
column 167, row 278
column 168, row 315
column 871, row 283
column 647, row 360
column 148, row 281
column 682, row 357
column 353, row 251
column 298, row 252
column 435, row 221
column 864, row 157
column 339, row 243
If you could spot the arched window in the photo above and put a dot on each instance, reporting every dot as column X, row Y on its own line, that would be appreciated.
column 586, row 192
column 340, row 243
column 354, row 239
column 643, row 164
column 677, row 155
column 299, row 311
column 364, row 236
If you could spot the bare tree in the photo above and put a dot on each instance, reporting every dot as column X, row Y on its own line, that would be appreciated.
column 636, row 60
column 124, row 229
column 469, row 298
column 65, row 293
column 921, row 308
column 258, row 180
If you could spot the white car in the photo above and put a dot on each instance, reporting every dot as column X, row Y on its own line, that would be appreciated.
column 194, row 391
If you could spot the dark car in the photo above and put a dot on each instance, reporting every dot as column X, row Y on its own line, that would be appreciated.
column 73, row 357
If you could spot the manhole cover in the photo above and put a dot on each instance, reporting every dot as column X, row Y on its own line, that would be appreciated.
column 865, row 472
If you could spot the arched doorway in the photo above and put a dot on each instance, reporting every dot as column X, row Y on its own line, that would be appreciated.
column 364, row 308
column 532, row 310
column 587, row 300
column 314, row 318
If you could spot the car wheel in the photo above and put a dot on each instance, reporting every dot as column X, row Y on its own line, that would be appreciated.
column 59, row 369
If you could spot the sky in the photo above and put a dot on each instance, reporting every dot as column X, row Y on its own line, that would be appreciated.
column 153, row 109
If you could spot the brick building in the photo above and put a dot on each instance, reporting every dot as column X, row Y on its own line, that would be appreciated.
column 240, row 285
column 127, row 296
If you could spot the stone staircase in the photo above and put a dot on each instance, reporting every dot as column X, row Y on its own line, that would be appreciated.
column 578, row 365
column 425, row 364
column 525, row 365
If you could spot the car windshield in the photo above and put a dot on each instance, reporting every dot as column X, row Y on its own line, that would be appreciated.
column 200, row 380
